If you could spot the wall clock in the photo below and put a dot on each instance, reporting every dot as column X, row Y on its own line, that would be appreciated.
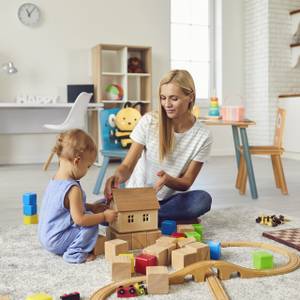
column 29, row 14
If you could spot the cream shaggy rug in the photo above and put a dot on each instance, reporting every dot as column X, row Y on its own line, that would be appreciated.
column 25, row 268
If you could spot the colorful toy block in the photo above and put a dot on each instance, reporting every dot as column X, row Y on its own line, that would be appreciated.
column 199, row 228
column 144, row 260
column 194, row 234
column 30, row 219
column 131, row 256
column 168, row 227
column 215, row 250
column 177, row 234
column 183, row 257
column 72, row 296
column 114, row 247
column 29, row 210
column 29, row 199
column 157, row 280
column 121, row 268
column 39, row 296
column 262, row 260
column 161, row 253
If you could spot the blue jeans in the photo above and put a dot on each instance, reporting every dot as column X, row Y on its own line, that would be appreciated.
column 184, row 206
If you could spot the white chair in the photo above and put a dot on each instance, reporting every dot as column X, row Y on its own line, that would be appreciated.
column 77, row 115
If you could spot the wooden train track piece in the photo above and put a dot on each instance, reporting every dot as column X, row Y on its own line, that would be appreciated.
column 216, row 288
column 202, row 269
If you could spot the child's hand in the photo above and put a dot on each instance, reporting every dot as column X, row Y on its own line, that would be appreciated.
column 163, row 179
column 110, row 215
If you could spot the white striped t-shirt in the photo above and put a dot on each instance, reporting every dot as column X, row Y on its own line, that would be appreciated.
column 194, row 144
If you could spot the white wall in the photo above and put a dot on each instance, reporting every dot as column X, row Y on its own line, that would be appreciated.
column 57, row 52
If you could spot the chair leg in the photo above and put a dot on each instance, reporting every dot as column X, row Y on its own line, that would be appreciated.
column 101, row 175
column 243, row 176
column 275, row 171
column 281, row 176
column 239, row 175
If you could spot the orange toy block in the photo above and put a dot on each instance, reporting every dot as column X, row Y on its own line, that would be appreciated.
column 185, row 241
column 121, row 268
column 157, row 279
column 139, row 240
column 99, row 247
column 183, row 257
column 203, row 252
column 160, row 252
column 114, row 247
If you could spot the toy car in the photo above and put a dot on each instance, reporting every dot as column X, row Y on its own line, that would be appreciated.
column 126, row 292
column 140, row 288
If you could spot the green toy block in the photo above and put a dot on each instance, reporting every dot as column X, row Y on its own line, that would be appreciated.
column 262, row 260
column 196, row 235
column 40, row 296
column 199, row 228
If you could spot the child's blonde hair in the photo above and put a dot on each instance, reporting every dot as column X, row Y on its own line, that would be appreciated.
column 71, row 144
column 185, row 82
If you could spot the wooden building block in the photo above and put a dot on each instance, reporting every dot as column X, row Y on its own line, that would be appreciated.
column 262, row 260
column 199, row 228
column 139, row 240
column 121, row 268
column 142, row 261
column 167, row 227
column 157, row 279
column 170, row 248
column 131, row 256
column 185, row 228
column 203, row 252
column 115, row 247
column 194, row 234
column 122, row 236
column 39, row 296
column 99, row 247
column 152, row 236
column 160, row 252
column 166, row 240
column 30, row 219
column 178, row 234
column 183, row 257
column 183, row 242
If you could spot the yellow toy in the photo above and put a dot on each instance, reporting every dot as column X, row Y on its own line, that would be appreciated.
column 40, row 296
column 124, row 122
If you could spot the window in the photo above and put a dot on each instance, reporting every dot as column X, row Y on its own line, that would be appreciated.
column 192, row 42
column 130, row 218
column 146, row 218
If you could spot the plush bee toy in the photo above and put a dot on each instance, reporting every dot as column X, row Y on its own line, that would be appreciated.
column 123, row 123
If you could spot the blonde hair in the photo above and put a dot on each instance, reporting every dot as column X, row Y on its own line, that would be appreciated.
column 183, row 80
column 71, row 144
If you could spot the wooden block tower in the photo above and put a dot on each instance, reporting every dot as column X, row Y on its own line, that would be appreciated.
column 30, row 208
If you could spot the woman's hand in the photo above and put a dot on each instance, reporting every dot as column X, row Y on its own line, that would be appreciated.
column 111, row 183
column 164, row 178
column 98, row 207
column 110, row 215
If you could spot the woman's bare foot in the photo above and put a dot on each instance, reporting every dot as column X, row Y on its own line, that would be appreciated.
column 90, row 257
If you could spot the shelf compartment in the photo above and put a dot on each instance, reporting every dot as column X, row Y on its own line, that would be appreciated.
column 144, row 54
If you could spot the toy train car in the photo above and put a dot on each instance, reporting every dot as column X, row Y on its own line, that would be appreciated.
column 135, row 290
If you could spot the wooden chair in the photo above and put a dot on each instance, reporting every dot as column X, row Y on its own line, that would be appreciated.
column 275, row 151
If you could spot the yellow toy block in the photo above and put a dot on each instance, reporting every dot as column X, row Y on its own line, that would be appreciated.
column 30, row 219
column 40, row 296
column 131, row 256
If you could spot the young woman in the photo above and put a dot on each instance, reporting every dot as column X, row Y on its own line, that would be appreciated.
column 168, row 152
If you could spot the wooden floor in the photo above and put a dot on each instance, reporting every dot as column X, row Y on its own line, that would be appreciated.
column 217, row 177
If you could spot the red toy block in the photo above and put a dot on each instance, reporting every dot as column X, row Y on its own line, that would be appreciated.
column 177, row 234
column 144, row 260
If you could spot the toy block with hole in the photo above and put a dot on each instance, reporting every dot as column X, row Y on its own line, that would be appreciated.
column 157, row 279
column 166, row 240
column 152, row 236
column 194, row 234
column 183, row 257
column 131, row 256
column 121, row 236
column 161, row 253
column 71, row 296
column 199, row 228
column 39, row 296
column 29, row 199
column 178, row 234
column 262, row 260
column 99, row 247
column 184, row 241
column 121, row 268
column 142, row 261
column 185, row 228
column 215, row 250
column 30, row 219
column 203, row 252
column 115, row 247
column 29, row 210
column 139, row 240
column 168, row 227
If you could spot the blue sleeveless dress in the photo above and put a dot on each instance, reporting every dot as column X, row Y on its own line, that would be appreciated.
column 57, row 231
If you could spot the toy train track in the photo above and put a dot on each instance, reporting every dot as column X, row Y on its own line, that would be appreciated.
column 202, row 269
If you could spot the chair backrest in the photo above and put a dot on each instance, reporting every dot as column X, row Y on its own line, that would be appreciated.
column 108, row 142
column 279, row 127
column 77, row 115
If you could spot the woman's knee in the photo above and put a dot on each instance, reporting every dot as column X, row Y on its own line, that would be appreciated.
column 202, row 203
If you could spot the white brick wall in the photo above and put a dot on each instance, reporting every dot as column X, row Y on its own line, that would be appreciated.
column 268, row 70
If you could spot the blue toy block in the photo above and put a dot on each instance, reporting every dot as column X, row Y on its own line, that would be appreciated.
column 29, row 199
column 215, row 250
column 168, row 227
column 29, row 210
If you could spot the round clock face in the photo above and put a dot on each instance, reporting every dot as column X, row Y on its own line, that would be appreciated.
column 29, row 14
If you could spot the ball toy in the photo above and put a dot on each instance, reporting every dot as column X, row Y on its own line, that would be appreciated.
column 114, row 92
